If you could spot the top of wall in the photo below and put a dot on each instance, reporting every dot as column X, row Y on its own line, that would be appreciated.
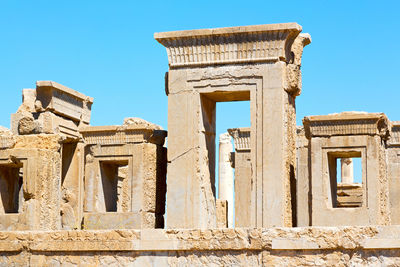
column 346, row 123
column 159, row 36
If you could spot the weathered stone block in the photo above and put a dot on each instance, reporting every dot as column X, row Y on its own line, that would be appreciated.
column 33, row 188
column 63, row 101
column 222, row 213
column 348, row 135
column 125, row 172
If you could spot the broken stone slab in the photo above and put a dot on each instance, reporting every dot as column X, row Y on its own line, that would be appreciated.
column 63, row 101
column 7, row 139
column 222, row 213
column 125, row 134
column 141, row 123
column 28, row 101
column 50, row 123
column 46, row 122
column 28, row 125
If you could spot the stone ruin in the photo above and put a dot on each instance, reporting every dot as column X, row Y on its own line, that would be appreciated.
column 72, row 194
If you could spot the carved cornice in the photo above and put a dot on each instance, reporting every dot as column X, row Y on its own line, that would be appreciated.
column 241, row 137
column 395, row 134
column 117, row 135
column 347, row 123
column 6, row 141
column 258, row 43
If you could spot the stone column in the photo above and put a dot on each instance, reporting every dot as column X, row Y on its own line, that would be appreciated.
column 347, row 170
column 245, row 193
column 225, row 175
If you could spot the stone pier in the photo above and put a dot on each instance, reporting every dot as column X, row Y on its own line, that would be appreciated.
column 347, row 170
column 225, row 174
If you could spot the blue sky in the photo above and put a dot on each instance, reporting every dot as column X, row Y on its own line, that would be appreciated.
column 106, row 50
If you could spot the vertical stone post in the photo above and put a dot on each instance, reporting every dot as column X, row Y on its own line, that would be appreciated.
column 225, row 175
column 347, row 170
column 244, row 190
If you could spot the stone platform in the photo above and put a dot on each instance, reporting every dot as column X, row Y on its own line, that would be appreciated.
column 303, row 246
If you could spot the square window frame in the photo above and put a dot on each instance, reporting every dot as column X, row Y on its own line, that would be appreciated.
column 321, row 212
column 332, row 154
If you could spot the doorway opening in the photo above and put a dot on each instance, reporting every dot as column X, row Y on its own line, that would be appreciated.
column 11, row 194
column 228, row 115
column 113, row 177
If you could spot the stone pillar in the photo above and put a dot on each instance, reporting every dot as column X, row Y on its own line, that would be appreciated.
column 393, row 158
column 245, row 193
column 257, row 63
column 225, row 175
column 347, row 170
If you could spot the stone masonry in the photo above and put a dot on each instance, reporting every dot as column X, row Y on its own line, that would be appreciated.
column 72, row 194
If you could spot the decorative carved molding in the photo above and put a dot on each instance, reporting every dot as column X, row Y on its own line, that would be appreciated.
column 6, row 142
column 395, row 134
column 347, row 123
column 117, row 135
column 241, row 137
column 259, row 43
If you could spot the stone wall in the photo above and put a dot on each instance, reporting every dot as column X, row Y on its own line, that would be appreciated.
column 316, row 246
column 78, row 195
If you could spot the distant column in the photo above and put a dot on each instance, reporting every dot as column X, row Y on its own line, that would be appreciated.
column 347, row 170
column 225, row 174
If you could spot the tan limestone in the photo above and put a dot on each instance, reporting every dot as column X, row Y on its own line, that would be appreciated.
column 78, row 195
column 124, row 175
column 270, row 79
column 226, row 189
column 348, row 134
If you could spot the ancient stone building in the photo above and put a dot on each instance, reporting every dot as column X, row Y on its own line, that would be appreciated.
column 72, row 194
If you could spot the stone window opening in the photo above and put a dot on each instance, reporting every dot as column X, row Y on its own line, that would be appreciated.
column 11, row 193
column 346, row 179
column 113, row 179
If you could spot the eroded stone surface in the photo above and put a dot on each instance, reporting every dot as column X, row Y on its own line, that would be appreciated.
column 63, row 182
column 251, row 247
column 124, row 176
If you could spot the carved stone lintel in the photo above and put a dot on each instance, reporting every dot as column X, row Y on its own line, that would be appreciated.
column 347, row 123
column 241, row 137
column 258, row 43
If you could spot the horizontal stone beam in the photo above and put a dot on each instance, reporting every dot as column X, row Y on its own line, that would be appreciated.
column 63, row 101
column 269, row 239
column 347, row 123
column 258, row 43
